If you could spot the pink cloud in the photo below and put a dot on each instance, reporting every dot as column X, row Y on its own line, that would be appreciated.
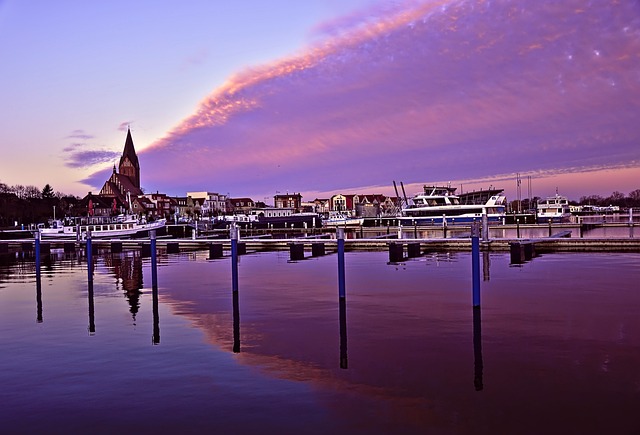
column 439, row 91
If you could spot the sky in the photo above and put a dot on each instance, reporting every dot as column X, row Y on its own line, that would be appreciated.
column 253, row 98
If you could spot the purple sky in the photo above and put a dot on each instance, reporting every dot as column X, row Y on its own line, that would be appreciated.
column 470, row 92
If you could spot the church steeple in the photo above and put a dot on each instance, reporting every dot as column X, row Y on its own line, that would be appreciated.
column 129, row 165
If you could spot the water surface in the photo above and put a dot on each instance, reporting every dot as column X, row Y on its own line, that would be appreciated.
column 555, row 347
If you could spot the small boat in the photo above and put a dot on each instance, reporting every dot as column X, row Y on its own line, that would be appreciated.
column 103, row 227
column 342, row 220
column 438, row 204
column 553, row 209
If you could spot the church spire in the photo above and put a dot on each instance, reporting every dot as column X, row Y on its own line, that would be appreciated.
column 129, row 165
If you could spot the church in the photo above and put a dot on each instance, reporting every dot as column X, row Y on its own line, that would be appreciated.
column 121, row 190
column 124, row 185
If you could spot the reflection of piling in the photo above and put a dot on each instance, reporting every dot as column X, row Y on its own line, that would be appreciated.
column 155, row 338
column 344, row 364
column 154, row 262
column 475, row 263
column 89, row 256
column 38, row 296
column 236, row 323
column 234, row 257
column 92, row 319
column 477, row 350
column 341, row 277
column 486, row 266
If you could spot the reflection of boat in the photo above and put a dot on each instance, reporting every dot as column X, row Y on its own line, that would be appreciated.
column 342, row 220
column 553, row 209
column 100, row 226
column 440, row 202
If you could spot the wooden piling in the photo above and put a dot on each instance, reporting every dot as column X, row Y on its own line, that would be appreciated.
column 317, row 249
column 413, row 249
column 296, row 251
column 215, row 250
column 396, row 252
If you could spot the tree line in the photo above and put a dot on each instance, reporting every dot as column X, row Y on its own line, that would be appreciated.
column 29, row 204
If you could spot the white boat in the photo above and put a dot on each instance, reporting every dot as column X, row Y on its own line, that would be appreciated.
column 553, row 209
column 103, row 227
column 342, row 220
column 437, row 204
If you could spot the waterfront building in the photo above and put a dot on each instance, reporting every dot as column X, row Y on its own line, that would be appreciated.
column 292, row 200
column 213, row 203
column 240, row 205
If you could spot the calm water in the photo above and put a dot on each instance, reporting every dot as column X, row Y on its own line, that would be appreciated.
column 555, row 350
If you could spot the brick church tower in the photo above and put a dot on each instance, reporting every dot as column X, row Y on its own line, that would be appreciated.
column 129, row 165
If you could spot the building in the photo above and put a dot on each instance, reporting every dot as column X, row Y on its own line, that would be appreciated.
column 124, row 184
column 239, row 205
column 369, row 205
column 214, row 204
column 291, row 200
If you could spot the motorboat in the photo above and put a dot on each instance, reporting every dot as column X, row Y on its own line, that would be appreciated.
column 439, row 204
column 553, row 209
column 102, row 227
column 342, row 220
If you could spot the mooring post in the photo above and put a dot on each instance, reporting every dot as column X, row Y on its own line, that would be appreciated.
column 234, row 257
column 444, row 226
column 485, row 225
column 415, row 230
column 89, row 256
column 37, row 244
column 154, row 263
column 550, row 231
column 341, row 279
column 518, row 228
column 475, row 263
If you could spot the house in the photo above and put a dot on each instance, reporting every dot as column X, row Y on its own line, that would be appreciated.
column 214, row 204
column 239, row 205
column 291, row 200
column 363, row 205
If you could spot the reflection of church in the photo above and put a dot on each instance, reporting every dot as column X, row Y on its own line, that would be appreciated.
column 128, row 272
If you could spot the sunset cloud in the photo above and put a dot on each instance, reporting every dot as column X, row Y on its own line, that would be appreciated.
column 438, row 90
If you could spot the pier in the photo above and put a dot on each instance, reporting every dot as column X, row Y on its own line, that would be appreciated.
column 562, row 238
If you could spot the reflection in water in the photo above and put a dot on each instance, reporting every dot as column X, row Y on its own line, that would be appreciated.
column 38, row 296
column 486, row 265
column 92, row 323
column 236, row 323
column 156, row 319
column 477, row 349
column 344, row 361
column 128, row 270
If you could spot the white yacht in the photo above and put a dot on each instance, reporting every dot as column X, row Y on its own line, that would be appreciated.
column 437, row 204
